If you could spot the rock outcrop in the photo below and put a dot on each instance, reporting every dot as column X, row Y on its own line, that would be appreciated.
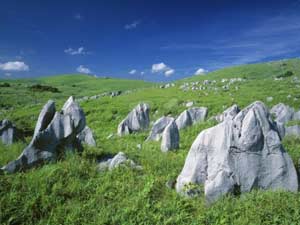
column 292, row 130
column 55, row 133
column 170, row 137
column 282, row 113
column 86, row 136
column 229, row 113
column 191, row 116
column 244, row 153
column 9, row 133
column 158, row 128
column 118, row 160
column 137, row 120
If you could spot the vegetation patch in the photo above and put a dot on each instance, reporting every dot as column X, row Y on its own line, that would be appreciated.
column 43, row 88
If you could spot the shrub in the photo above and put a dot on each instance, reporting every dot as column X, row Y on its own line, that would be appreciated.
column 42, row 88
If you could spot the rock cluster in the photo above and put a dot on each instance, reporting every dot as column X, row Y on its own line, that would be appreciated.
column 239, row 154
column 8, row 132
column 55, row 133
column 86, row 136
column 138, row 119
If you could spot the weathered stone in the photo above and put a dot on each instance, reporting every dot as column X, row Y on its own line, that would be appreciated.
column 282, row 113
column 158, row 128
column 86, row 136
column 9, row 133
column 229, row 113
column 118, row 160
column 191, row 116
column 55, row 133
column 244, row 153
column 292, row 131
column 170, row 137
column 137, row 120
column 189, row 104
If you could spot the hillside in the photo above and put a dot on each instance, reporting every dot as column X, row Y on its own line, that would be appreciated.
column 71, row 191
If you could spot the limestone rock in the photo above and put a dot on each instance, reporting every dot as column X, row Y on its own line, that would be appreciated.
column 229, row 113
column 118, row 160
column 137, row 120
column 86, row 136
column 292, row 131
column 191, row 116
column 282, row 113
column 55, row 133
column 170, row 137
column 158, row 128
column 244, row 153
column 9, row 133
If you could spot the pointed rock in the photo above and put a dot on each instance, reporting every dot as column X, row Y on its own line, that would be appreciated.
column 86, row 136
column 170, row 137
column 282, row 113
column 54, row 133
column 9, row 133
column 229, row 113
column 244, row 153
column 158, row 128
column 191, row 116
column 137, row 120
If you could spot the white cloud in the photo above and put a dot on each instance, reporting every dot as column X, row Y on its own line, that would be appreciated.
column 79, row 51
column 132, row 72
column 169, row 72
column 132, row 25
column 162, row 68
column 14, row 66
column 142, row 73
column 7, row 74
column 159, row 67
column 82, row 69
column 201, row 71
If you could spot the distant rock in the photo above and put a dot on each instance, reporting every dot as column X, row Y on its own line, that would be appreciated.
column 229, row 113
column 55, row 133
column 137, row 120
column 269, row 99
column 189, row 104
column 282, row 113
column 292, row 131
column 86, row 136
column 191, row 116
column 9, row 133
column 170, row 137
column 241, row 154
column 118, row 160
column 158, row 128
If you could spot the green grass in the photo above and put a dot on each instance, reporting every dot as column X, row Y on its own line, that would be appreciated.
column 71, row 191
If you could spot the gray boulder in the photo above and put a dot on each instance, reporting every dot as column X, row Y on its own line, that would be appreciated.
column 282, row 113
column 118, row 160
column 137, row 120
column 55, row 133
column 158, row 128
column 229, row 113
column 86, row 136
column 191, row 116
column 170, row 137
column 8, row 132
column 292, row 131
column 244, row 153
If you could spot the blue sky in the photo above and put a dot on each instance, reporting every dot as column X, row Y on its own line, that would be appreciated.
column 151, row 40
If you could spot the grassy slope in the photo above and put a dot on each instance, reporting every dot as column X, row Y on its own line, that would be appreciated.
column 72, row 192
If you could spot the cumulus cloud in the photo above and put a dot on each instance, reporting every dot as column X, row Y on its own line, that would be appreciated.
column 201, row 71
column 132, row 71
column 14, row 66
column 83, row 69
column 79, row 51
column 169, row 72
column 132, row 25
column 162, row 68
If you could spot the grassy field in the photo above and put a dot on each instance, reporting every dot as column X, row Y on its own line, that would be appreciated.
column 71, row 191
